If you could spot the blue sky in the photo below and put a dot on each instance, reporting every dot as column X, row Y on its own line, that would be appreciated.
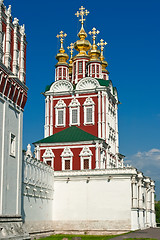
column 131, row 29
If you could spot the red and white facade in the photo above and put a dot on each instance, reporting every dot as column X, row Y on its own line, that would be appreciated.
column 88, row 100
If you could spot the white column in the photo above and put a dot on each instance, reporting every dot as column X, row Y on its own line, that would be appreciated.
column 140, row 203
column 97, row 160
column 134, row 193
column 1, row 38
column 99, row 114
column 47, row 117
column 116, row 129
column 51, row 116
column 84, row 69
column 103, row 117
column 15, row 47
column 22, row 49
column 8, row 38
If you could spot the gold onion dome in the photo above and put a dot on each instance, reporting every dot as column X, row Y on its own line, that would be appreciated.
column 94, row 53
column 62, row 57
column 82, row 45
column 104, row 63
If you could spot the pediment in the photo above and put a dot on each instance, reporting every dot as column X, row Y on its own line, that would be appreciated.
column 61, row 86
column 87, row 83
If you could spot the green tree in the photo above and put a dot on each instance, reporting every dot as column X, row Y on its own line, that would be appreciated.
column 157, row 209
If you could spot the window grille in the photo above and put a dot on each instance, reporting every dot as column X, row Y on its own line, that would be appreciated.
column 86, row 163
column 60, row 72
column 80, row 67
column 97, row 69
column 75, row 68
column 89, row 114
column 12, row 145
column 67, row 164
column 93, row 69
column 64, row 72
column 74, row 116
column 60, row 117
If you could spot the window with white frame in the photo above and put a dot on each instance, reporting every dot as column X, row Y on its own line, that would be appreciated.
column 12, row 145
column 89, row 111
column 60, row 113
column 48, row 157
column 74, row 110
column 86, row 158
column 67, row 158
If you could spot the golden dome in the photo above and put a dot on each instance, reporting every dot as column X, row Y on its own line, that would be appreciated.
column 62, row 57
column 82, row 45
column 94, row 53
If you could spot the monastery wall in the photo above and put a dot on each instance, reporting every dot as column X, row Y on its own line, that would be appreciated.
column 37, row 199
column 92, row 201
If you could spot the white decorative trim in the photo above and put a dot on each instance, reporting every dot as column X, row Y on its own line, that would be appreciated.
column 74, row 105
column 48, row 153
column 87, row 83
column 48, row 156
column 67, row 155
column 60, row 106
column 61, row 86
column 89, row 103
column 86, row 153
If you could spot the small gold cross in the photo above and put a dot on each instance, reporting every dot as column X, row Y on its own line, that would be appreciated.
column 82, row 13
column 102, row 44
column 71, row 47
column 62, row 35
column 94, row 33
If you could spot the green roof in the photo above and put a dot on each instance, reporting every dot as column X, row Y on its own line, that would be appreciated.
column 71, row 134
column 47, row 88
column 103, row 82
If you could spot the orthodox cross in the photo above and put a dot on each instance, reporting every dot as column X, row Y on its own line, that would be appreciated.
column 61, row 35
column 71, row 47
column 102, row 44
column 81, row 13
column 94, row 33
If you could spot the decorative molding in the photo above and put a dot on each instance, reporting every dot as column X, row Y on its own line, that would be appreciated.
column 86, row 152
column 67, row 152
column 87, row 83
column 89, row 101
column 74, row 103
column 48, row 153
column 60, row 104
column 61, row 86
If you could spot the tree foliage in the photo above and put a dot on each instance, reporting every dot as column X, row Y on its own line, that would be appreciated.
column 157, row 209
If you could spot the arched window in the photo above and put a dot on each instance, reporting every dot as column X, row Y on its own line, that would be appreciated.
column 74, row 112
column 80, row 67
column 86, row 158
column 48, row 157
column 89, row 111
column 60, row 113
column 67, row 158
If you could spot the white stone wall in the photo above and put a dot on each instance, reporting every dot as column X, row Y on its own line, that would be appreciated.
column 96, row 200
column 10, row 165
column 38, row 185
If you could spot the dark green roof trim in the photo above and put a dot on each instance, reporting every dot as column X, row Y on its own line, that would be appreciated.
column 47, row 88
column 71, row 134
column 103, row 82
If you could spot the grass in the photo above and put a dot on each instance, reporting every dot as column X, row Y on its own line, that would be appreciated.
column 140, row 239
column 89, row 237
column 83, row 237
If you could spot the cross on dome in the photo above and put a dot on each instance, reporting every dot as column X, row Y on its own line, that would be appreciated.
column 61, row 35
column 71, row 47
column 81, row 13
column 94, row 32
column 102, row 44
